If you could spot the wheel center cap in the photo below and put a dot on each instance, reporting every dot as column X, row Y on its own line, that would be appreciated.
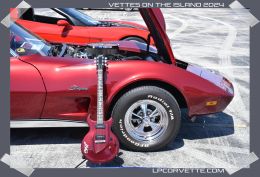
column 146, row 119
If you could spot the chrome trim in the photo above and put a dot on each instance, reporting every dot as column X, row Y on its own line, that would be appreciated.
column 44, row 123
column 77, row 88
column 146, row 120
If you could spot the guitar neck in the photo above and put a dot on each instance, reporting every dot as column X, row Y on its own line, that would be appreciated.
column 100, row 99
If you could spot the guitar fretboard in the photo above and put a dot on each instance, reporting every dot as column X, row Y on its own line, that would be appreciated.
column 100, row 106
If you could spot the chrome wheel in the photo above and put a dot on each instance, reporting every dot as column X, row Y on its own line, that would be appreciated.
column 146, row 120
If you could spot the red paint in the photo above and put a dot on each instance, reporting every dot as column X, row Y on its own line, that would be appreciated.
column 82, row 34
column 27, row 90
column 60, row 74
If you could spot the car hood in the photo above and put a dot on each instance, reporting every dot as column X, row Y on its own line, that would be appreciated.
column 155, row 22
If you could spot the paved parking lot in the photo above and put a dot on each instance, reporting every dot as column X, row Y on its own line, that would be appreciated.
column 213, row 38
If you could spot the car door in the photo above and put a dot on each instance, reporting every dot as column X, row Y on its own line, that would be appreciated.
column 69, row 86
column 27, row 91
column 45, row 24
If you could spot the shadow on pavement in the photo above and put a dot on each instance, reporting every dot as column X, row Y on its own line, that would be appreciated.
column 117, row 162
column 215, row 125
column 204, row 127
column 34, row 136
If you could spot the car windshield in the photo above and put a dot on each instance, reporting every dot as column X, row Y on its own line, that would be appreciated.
column 80, row 16
column 25, row 43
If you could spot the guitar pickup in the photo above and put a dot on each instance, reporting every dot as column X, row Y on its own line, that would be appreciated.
column 100, row 126
column 100, row 137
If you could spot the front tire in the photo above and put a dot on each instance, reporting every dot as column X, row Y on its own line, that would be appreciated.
column 146, row 118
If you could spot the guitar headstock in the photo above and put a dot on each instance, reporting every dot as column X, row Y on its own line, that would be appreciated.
column 101, row 61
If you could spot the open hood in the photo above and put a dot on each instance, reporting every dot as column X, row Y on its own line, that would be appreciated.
column 155, row 22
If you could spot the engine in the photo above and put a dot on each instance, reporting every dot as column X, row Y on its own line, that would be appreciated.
column 110, row 50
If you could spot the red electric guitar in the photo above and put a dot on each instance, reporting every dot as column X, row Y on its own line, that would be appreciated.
column 100, row 145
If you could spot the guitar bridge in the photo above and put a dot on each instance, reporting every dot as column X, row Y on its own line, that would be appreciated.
column 100, row 139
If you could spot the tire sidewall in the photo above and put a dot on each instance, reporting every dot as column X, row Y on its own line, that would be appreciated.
column 146, row 93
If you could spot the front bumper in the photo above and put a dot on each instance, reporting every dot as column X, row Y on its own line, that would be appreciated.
column 215, row 101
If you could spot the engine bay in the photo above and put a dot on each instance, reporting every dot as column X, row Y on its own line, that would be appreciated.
column 111, row 51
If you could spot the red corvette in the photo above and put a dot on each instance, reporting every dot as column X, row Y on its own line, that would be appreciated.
column 74, row 26
column 145, row 86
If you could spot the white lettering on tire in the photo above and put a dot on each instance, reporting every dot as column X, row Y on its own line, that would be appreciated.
column 164, row 103
column 127, row 137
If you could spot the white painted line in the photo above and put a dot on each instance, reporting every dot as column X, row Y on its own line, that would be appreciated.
column 210, row 159
column 217, row 125
column 180, row 29
column 19, row 165
column 217, row 147
column 224, row 55
column 227, row 67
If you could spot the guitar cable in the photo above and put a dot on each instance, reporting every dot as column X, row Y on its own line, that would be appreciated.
column 80, row 163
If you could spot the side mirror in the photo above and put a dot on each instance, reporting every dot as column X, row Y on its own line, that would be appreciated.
column 63, row 23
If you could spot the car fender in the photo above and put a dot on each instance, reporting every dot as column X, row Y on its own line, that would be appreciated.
column 196, row 90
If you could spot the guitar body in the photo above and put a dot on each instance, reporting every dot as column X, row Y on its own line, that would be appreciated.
column 101, row 152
